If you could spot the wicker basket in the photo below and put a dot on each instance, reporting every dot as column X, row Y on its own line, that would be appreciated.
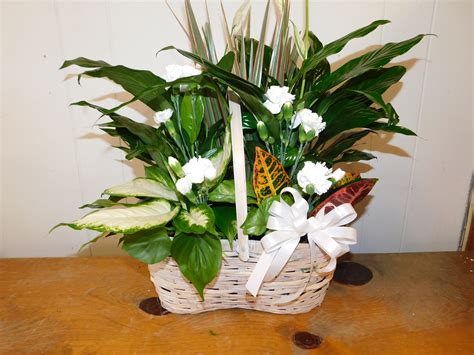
column 228, row 289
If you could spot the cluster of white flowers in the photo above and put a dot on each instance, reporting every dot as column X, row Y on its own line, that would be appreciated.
column 311, row 121
column 195, row 171
column 318, row 176
column 175, row 72
column 276, row 97
column 163, row 116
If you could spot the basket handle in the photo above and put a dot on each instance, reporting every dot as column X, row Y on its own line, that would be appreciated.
column 240, row 180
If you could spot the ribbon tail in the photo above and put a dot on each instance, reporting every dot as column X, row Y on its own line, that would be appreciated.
column 259, row 272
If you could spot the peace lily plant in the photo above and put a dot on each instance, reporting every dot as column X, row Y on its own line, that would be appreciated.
column 300, row 119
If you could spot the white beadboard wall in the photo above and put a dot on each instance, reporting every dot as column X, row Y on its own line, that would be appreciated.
column 54, row 159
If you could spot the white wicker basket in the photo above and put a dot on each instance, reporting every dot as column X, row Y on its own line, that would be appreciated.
column 228, row 289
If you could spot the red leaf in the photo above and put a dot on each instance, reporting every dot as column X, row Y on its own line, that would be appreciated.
column 351, row 193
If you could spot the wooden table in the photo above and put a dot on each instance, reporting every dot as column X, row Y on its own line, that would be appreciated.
column 416, row 304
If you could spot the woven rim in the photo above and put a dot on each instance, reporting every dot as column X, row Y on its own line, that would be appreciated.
column 228, row 289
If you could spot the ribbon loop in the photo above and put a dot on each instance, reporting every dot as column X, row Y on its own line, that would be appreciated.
column 288, row 225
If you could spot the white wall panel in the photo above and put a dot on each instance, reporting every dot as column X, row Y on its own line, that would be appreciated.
column 54, row 159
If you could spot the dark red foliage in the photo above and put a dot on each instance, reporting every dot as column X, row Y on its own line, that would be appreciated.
column 350, row 193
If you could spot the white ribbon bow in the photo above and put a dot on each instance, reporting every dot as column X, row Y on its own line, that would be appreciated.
column 289, row 224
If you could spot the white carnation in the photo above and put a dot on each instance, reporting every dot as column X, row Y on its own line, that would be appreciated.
column 175, row 72
column 163, row 116
column 317, row 175
column 198, row 169
column 184, row 185
column 276, row 97
column 311, row 121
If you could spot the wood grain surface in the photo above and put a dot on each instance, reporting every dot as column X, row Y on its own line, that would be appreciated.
column 419, row 303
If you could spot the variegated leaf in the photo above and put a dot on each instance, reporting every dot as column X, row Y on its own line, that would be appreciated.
column 199, row 219
column 142, row 187
column 128, row 219
column 269, row 176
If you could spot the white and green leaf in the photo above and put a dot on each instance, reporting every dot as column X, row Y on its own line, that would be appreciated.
column 198, row 219
column 142, row 187
column 128, row 219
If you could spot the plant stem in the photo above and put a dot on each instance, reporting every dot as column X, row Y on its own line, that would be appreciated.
column 298, row 158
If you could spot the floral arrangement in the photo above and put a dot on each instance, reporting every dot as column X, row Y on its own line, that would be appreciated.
column 300, row 119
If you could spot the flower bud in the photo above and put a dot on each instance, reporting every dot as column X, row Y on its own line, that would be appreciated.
column 262, row 130
column 175, row 166
column 310, row 135
column 287, row 111
column 302, row 135
column 271, row 140
column 310, row 189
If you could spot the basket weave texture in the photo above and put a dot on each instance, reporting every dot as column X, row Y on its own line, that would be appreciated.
column 228, row 290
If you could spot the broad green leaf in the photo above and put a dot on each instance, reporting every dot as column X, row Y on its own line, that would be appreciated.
column 226, row 222
column 372, row 60
column 199, row 219
column 142, row 187
column 132, row 80
column 199, row 258
column 148, row 246
column 377, row 99
column 335, row 47
column 256, row 221
column 376, row 80
column 225, row 192
column 191, row 115
column 128, row 219
column 345, row 142
column 269, row 176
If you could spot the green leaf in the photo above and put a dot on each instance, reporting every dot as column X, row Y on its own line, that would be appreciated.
column 142, row 187
column 85, row 63
column 354, row 155
column 225, row 192
column 220, row 160
column 132, row 80
column 372, row 60
column 198, row 257
column 226, row 222
column 378, row 126
column 155, row 173
column 192, row 114
column 343, row 143
column 148, row 246
column 256, row 221
column 335, row 47
column 199, row 219
column 376, row 80
column 128, row 219
column 102, row 203
column 227, row 61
